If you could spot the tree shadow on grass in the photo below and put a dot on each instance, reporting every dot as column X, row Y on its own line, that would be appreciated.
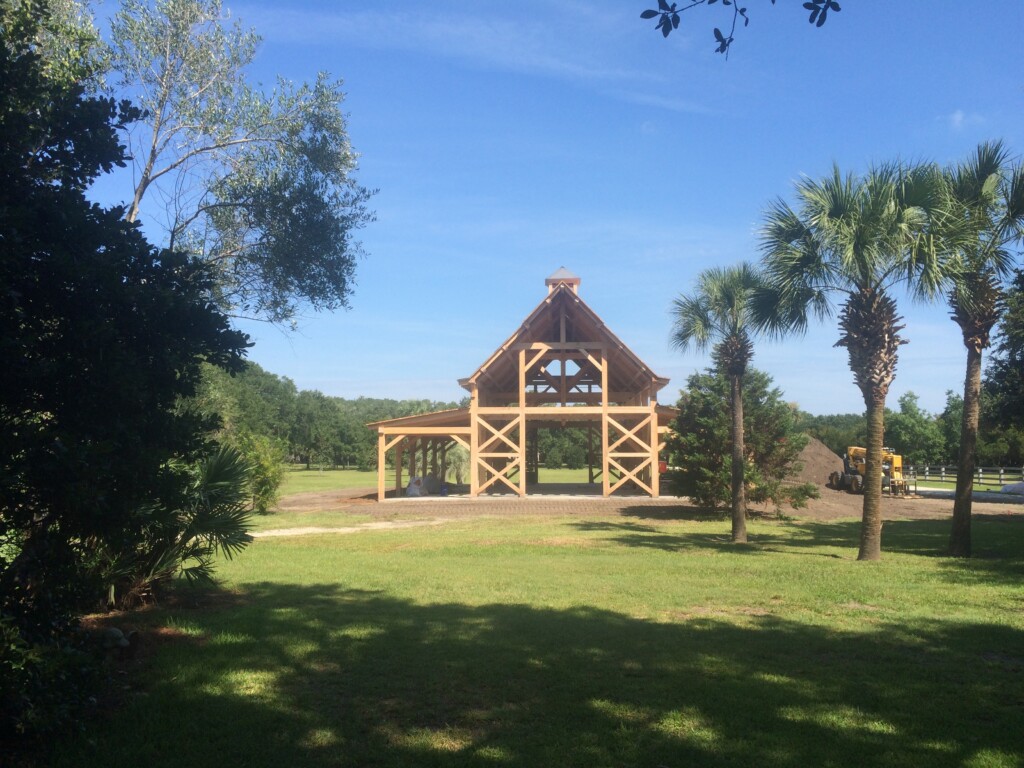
column 315, row 675
column 998, row 544
column 676, row 512
column 998, row 540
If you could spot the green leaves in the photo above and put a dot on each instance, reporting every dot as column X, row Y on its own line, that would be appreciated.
column 258, row 181
column 668, row 17
column 819, row 10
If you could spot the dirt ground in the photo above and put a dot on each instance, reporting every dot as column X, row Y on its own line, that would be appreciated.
column 818, row 461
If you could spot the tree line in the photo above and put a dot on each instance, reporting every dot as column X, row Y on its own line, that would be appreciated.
column 307, row 427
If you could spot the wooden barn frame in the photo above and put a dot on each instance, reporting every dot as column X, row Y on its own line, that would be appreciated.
column 563, row 366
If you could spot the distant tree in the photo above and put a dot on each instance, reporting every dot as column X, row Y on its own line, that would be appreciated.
column 575, row 456
column 1004, row 379
column 260, row 187
column 312, row 430
column 717, row 315
column 700, row 443
column 914, row 434
column 859, row 237
column 837, row 431
column 1003, row 401
column 668, row 16
column 553, row 458
column 457, row 464
column 950, row 423
column 986, row 200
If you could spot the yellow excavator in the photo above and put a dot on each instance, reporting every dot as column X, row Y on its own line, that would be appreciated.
column 854, row 465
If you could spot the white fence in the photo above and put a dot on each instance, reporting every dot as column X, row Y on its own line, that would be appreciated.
column 982, row 475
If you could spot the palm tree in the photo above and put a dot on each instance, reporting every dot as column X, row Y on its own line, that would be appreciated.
column 986, row 197
column 859, row 237
column 212, row 518
column 718, row 313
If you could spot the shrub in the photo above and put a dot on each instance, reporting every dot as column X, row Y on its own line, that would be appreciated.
column 701, row 445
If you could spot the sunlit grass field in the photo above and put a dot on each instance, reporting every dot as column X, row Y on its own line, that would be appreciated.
column 298, row 479
column 643, row 639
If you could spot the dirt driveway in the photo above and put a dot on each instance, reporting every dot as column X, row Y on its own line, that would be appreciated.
column 401, row 513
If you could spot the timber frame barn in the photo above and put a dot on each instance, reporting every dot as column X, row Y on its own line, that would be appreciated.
column 562, row 367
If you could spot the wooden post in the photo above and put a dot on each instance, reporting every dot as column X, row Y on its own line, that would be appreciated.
column 605, row 467
column 381, row 465
column 474, row 442
column 522, row 423
column 655, row 441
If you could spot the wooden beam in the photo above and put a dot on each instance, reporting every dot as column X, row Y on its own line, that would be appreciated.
column 474, row 438
column 655, row 450
column 603, row 367
column 523, row 364
column 381, row 465
column 425, row 431
column 559, row 346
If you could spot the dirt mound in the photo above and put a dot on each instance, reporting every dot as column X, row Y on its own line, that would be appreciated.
column 818, row 463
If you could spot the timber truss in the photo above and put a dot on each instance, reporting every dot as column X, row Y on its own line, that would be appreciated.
column 562, row 367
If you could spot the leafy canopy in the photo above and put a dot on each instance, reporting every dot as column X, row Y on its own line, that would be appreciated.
column 260, row 186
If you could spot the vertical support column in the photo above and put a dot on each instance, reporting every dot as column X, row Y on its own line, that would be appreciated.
column 444, row 462
column 424, row 445
column 522, row 423
column 474, row 442
column 433, row 458
column 412, row 458
column 605, row 466
column 381, row 465
column 655, row 441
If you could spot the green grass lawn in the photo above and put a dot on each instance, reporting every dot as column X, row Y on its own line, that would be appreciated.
column 298, row 479
column 950, row 485
column 635, row 640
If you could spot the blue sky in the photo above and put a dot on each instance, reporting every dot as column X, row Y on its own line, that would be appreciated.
column 509, row 139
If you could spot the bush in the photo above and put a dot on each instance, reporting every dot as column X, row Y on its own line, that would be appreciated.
column 45, row 688
column 265, row 457
column 575, row 456
column 701, row 444
column 553, row 458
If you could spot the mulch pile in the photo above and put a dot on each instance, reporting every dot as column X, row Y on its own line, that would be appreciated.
column 818, row 463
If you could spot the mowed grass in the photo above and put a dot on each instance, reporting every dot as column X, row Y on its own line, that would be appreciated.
column 950, row 485
column 644, row 639
column 298, row 479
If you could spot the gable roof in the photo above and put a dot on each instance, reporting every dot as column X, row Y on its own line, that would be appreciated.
column 626, row 372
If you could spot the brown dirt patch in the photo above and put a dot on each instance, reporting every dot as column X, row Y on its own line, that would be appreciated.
column 816, row 459
column 818, row 463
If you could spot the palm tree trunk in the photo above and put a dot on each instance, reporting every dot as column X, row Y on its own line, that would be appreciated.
column 960, row 537
column 739, row 498
column 871, row 521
